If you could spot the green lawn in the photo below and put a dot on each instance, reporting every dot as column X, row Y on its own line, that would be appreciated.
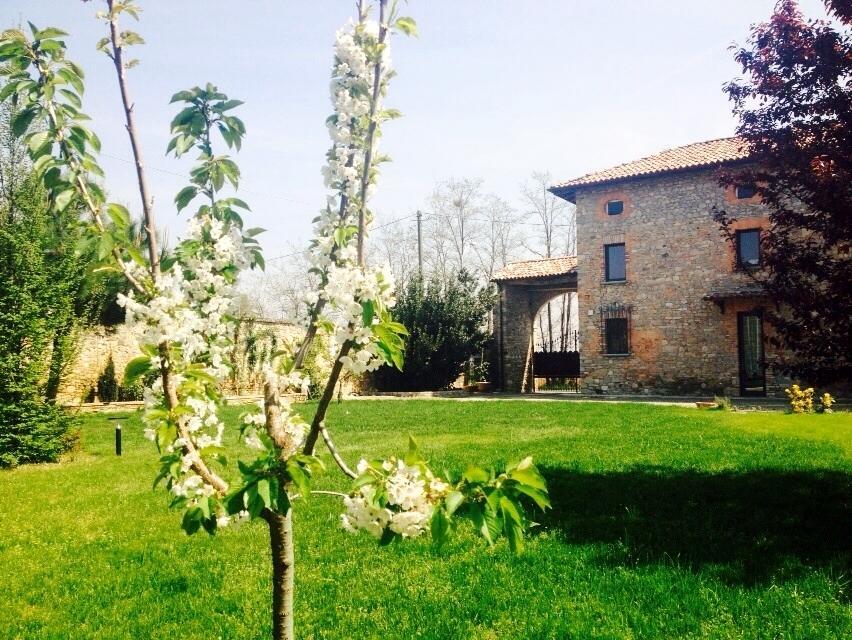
column 667, row 523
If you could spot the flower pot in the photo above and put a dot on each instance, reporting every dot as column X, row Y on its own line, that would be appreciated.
column 484, row 386
column 470, row 388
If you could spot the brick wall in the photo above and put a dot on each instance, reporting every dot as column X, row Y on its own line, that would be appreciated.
column 680, row 343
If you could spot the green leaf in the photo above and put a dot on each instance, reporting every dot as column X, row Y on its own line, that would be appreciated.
column 412, row 456
column 72, row 97
column 540, row 498
column 226, row 106
column 388, row 536
column 264, row 491
column 105, row 246
column 492, row 521
column 475, row 474
column 41, row 165
column 130, row 38
column 64, row 199
column 235, row 502
column 453, row 501
column 38, row 140
column 137, row 368
column 440, row 527
column 368, row 312
column 72, row 78
column 21, row 121
column 191, row 520
column 299, row 477
column 513, row 525
column 49, row 32
column 407, row 26
column 119, row 215
column 182, row 96
column 185, row 196
column 8, row 89
column 527, row 473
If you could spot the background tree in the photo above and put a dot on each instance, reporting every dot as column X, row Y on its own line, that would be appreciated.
column 446, row 322
column 454, row 224
column 554, row 233
column 37, row 286
column 795, row 115
column 499, row 237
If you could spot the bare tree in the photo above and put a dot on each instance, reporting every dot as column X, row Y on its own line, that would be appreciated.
column 499, row 239
column 556, row 218
column 278, row 293
column 396, row 244
column 556, row 234
column 455, row 223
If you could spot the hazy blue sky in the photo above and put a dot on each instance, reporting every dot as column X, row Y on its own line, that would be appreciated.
column 491, row 89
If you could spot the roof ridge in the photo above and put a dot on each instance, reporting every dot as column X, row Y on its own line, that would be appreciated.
column 671, row 159
column 541, row 259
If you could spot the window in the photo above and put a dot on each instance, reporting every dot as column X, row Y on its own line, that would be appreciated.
column 745, row 191
column 615, row 329
column 616, row 269
column 614, row 207
column 748, row 248
column 616, row 336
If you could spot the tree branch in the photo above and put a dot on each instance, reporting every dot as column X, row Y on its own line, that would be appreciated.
column 130, row 125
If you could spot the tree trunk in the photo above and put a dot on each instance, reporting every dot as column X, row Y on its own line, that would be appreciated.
column 283, row 571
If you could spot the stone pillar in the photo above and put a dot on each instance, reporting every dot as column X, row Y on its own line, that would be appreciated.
column 514, row 336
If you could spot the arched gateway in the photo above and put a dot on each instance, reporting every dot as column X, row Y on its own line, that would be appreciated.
column 523, row 288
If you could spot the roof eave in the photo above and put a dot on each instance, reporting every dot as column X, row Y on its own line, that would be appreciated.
column 569, row 192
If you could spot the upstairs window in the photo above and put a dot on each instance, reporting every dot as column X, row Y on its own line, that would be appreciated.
column 745, row 191
column 615, row 207
column 748, row 248
column 615, row 266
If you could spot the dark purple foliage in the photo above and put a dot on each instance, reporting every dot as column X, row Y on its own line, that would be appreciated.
column 794, row 106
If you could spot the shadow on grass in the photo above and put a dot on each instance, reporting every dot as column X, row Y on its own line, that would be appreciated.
column 750, row 526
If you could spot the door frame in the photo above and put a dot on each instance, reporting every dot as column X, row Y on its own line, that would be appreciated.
column 740, row 355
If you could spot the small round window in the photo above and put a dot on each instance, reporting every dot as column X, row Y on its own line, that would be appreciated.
column 614, row 207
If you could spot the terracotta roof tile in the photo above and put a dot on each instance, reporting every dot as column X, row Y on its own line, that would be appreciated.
column 730, row 291
column 698, row 154
column 532, row 269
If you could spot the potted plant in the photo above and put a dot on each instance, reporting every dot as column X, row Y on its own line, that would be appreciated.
column 480, row 375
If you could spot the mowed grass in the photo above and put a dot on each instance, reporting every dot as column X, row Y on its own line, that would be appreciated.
column 667, row 523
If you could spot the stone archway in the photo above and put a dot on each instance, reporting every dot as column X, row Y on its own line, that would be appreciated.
column 523, row 288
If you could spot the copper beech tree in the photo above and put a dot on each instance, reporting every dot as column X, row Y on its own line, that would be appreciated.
column 181, row 306
column 794, row 107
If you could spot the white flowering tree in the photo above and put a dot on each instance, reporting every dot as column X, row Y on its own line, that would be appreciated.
column 181, row 305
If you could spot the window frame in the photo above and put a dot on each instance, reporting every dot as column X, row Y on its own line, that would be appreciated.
column 606, row 346
column 617, row 213
column 741, row 264
column 606, row 248
column 751, row 187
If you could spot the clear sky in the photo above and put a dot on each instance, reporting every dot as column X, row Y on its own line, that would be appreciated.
column 492, row 89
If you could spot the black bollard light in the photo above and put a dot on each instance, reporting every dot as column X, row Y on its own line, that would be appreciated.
column 118, row 439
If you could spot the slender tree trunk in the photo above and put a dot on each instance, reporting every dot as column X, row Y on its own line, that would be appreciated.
column 283, row 573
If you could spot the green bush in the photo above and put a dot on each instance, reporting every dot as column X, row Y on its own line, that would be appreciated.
column 34, row 431
column 108, row 383
column 447, row 326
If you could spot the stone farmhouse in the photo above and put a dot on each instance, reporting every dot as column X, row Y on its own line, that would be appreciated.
column 666, row 304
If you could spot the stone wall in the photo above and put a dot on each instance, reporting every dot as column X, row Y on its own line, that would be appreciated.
column 97, row 344
column 679, row 342
column 517, row 306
